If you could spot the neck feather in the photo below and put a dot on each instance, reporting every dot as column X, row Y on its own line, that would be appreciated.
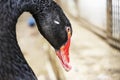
column 13, row 65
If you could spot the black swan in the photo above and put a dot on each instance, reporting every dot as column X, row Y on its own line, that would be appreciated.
column 52, row 24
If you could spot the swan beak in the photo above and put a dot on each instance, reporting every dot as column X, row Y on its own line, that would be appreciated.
column 63, row 54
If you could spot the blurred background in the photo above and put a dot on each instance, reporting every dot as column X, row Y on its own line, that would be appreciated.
column 95, row 45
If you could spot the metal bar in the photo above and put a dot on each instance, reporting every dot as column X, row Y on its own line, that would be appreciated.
column 118, row 19
column 109, row 18
column 113, row 14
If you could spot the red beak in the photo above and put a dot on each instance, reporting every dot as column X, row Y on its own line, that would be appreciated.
column 63, row 54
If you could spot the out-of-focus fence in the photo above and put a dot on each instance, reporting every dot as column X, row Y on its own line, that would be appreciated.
column 100, row 16
column 113, row 22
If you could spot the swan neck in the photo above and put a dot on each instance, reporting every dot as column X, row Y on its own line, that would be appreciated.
column 13, row 65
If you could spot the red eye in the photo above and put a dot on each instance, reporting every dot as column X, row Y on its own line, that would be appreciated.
column 68, row 29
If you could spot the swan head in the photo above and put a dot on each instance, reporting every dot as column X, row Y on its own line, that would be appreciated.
column 56, row 28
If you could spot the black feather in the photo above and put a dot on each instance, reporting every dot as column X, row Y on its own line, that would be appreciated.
column 13, row 65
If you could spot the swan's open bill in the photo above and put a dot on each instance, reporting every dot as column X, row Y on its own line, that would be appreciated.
column 63, row 52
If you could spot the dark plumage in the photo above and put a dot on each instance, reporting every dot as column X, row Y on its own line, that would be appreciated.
column 13, row 65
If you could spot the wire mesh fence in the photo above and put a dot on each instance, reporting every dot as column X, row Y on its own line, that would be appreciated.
column 116, row 19
column 113, row 22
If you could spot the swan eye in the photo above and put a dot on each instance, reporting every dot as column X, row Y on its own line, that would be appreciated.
column 56, row 22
